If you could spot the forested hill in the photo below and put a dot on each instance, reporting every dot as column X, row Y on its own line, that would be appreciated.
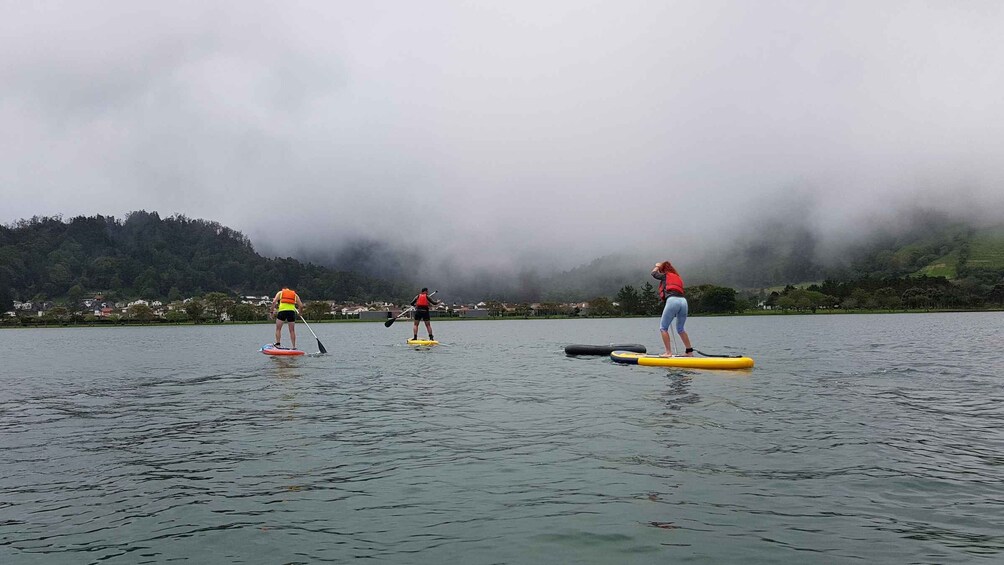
column 146, row 256
column 156, row 258
column 928, row 244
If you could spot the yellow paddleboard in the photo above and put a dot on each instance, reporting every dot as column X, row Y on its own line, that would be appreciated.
column 632, row 358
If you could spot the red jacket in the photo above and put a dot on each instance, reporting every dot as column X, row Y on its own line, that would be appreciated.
column 670, row 282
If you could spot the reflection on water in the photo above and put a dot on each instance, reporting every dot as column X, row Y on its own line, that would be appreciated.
column 678, row 394
column 850, row 442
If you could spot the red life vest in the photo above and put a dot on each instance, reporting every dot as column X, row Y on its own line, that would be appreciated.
column 287, row 296
column 672, row 283
column 422, row 301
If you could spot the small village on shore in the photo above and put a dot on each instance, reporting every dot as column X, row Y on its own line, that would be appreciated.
column 220, row 307
column 216, row 307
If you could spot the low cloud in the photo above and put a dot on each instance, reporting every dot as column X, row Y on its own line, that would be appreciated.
column 502, row 137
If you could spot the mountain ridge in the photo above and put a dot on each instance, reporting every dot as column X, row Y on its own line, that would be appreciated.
column 153, row 257
column 147, row 256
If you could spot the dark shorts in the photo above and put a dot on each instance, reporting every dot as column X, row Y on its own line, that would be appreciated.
column 286, row 315
column 421, row 314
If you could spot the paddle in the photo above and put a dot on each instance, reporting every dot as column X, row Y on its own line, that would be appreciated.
column 391, row 321
column 320, row 346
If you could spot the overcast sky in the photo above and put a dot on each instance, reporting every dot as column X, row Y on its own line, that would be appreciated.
column 500, row 132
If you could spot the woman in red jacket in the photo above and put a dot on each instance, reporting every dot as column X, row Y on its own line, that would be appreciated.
column 671, row 290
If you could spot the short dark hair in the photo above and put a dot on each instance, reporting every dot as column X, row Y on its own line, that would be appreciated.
column 425, row 289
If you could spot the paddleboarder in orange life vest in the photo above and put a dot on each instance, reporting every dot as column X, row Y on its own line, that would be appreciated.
column 287, row 301
column 421, row 304
column 671, row 290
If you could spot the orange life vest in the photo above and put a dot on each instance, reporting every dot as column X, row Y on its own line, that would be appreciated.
column 672, row 283
column 422, row 301
column 287, row 296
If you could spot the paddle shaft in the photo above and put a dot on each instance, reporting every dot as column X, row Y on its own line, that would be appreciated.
column 320, row 346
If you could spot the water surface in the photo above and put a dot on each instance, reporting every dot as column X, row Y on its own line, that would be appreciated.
column 856, row 439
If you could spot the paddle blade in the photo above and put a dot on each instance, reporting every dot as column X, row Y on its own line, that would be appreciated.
column 389, row 322
column 320, row 346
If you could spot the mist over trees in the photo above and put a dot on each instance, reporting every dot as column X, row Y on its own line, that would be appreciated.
column 782, row 247
column 788, row 250
column 927, row 260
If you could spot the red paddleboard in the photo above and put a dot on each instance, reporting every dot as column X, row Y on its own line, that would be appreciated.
column 269, row 349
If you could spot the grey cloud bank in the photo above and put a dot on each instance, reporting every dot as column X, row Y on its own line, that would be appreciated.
column 502, row 134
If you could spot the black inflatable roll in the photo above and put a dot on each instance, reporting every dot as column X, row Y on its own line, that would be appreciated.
column 578, row 349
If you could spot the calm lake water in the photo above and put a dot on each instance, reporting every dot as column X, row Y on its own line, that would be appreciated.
column 856, row 439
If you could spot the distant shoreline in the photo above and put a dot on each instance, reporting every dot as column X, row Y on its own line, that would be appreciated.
column 127, row 324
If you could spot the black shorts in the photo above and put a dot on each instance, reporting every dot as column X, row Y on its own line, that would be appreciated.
column 286, row 315
column 421, row 314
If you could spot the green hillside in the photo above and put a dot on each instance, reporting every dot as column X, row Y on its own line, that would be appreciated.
column 979, row 251
column 941, row 267
column 789, row 251
column 987, row 249
column 146, row 256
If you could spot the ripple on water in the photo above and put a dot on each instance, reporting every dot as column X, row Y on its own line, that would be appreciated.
column 850, row 442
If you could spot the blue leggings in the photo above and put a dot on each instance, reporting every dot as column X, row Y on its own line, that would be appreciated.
column 676, row 307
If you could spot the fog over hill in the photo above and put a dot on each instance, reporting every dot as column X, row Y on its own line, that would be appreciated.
column 153, row 257
column 782, row 247
column 492, row 145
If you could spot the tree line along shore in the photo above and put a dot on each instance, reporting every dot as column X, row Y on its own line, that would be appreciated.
column 905, row 294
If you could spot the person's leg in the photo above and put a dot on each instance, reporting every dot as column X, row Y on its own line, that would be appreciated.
column 414, row 333
column 278, row 331
column 686, row 343
column 428, row 328
column 292, row 333
column 668, row 313
column 666, row 342
column 681, row 319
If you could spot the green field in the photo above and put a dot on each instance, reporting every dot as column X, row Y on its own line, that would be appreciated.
column 986, row 250
column 942, row 266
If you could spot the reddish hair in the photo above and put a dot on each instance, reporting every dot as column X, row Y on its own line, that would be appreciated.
column 668, row 267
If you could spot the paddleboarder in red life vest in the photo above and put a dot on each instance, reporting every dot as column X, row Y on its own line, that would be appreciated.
column 287, row 302
column 421, row 304
column 671, row 290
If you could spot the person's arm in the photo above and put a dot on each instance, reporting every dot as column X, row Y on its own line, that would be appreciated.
column 414, row 300
column 299, row 303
